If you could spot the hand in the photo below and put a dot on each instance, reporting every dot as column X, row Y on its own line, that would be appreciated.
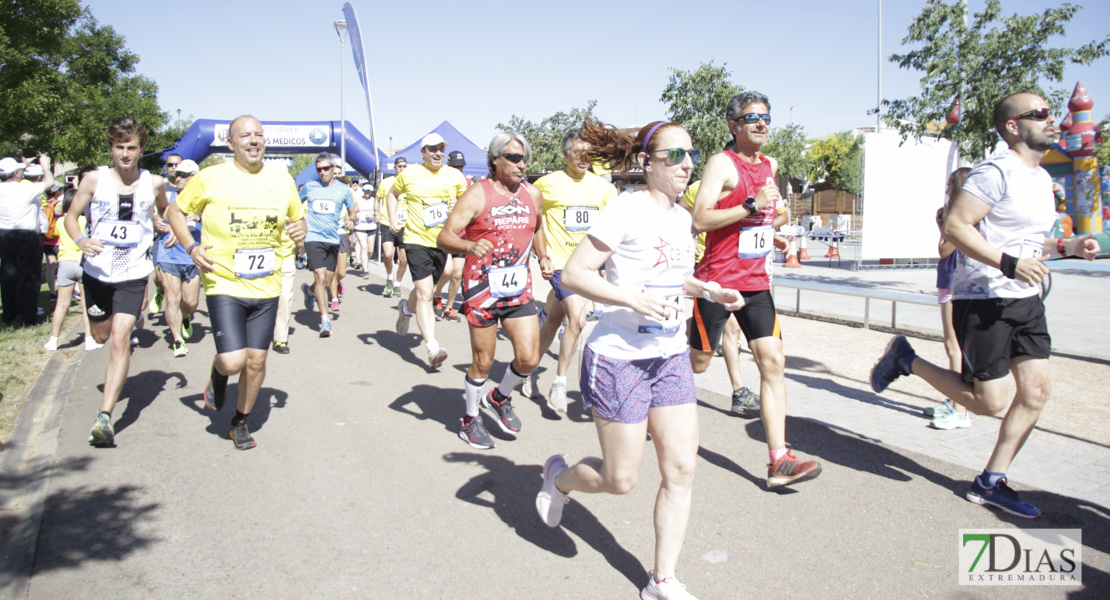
column 940, row 217
column 729, row 298
column 767, row 194
column 394, row 228
column 654, row 306
column 350, row 226
column 479, row 249
column 549, row 270
column 170, row 242
column 296, row 230
column 161, row 224
column 202, row 260
column 91, row 246
column 1032, row 270
column 1085, row 246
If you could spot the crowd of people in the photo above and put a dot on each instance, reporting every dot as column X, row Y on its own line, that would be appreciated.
column 673, row 271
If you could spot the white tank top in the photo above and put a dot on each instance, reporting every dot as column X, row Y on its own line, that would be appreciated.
column 125, row 226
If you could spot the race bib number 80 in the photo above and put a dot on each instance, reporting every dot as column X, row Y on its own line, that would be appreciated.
column 252, row 263
column 579, row 218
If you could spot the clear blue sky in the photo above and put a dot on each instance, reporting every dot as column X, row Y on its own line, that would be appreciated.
column 477, row 63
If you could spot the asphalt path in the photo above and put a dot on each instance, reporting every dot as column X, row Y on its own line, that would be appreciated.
column 360, row 488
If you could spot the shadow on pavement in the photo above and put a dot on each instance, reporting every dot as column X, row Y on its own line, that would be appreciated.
column 510, row 490
column 141, row 390
column 405, row 347
column 442, row 405
column 220, row 422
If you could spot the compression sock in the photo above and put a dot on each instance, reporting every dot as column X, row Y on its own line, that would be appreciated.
column 473, row 396
column 509, row 382
column 989, row 479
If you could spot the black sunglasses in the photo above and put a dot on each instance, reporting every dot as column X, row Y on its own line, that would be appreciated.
column 752, row 118
column 180, row 174
column 1038, row 114
column 677, row 155
column 513, row 157
column 171, row 166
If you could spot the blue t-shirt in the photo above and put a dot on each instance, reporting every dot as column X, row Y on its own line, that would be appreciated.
column 177, row 254
column 322, row 210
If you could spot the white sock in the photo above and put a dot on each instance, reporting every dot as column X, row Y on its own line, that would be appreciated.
column 405, row 308
column 561, row 379
column 325, row 319
column 433, row 347
column 389, row 278
column 473, row 396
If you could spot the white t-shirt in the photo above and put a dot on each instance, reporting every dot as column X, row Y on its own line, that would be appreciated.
column 125, row 226
column 365, row 215
column 20, row 204
column 1021, row 217
column 652, row 251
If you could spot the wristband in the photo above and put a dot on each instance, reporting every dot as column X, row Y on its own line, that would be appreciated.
column 710, row 287
column 1060, row 247
column 1008, row 266
column 543, row 256
column 78, row 240
column 191, row 248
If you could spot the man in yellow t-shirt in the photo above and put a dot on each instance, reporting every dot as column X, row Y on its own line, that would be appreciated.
column 246, row 207
column 572, row 198
column 429, row 191
column 393, row 241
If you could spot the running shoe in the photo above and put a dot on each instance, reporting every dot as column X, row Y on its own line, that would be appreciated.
column 51, row 344
column 745, row 403
column 102, row 433
column 557, row 399
column 550, row 501
column 397, row 292
column 788, row 470
column 180, row 349
column 388, row 289
column 309, row 298
column 241, row 435
column 281, row 347
column 335, row 305
column 1002, row 497
column 475, row 434
column 325, row 328
column 156, row 304
column 215, row 393
column 939, row 409
column 452, row 315
column 435, row 359
column 338, row 290
column 299, row 263
column 506, row 416
column 951, row 420
column 896, row 361
column 668, row 589
column 437, row 309
column 592, row 316
column 90, row 344
column 403, row 319
column 187, row 327
column 530, row 384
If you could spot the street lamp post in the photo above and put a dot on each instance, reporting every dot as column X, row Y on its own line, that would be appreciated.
column 341, row 29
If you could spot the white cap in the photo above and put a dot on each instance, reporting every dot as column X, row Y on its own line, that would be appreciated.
column 432, row 139
column 33, row 170
column 9, row 165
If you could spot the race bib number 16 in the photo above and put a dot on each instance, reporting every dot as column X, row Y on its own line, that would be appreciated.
column 756, row 242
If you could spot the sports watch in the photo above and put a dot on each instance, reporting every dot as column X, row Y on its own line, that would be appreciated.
column 750, row 205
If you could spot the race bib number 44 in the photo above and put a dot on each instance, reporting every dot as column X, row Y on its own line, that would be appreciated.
column 435, row 215
column 252, row 263
column 756, row 242
column 507, row 282
column 579, row 218
column 121, row 234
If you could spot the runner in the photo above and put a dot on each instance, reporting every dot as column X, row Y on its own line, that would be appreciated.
column 169, row 168
column 636, row 376
column 69, row 277
column 365, row 229
column 393, row 241
column 572, row 199
column 430, row 190
column 999, row 223
column 246, row 206
column 452, row 274
column 346, row 225
column 323, row 200
column 120, row 201
column 736, row 206
column 178, row 276
column 502, row 223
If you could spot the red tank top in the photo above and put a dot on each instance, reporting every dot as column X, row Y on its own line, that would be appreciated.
column 742, row 262
column 501, row 278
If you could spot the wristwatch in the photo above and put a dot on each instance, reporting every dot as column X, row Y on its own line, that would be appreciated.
column 750, row 205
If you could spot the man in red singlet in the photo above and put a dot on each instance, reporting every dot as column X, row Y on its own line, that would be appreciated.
column 502, row 222
column 736, row 207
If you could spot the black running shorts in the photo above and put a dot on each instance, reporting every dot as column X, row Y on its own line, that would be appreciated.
column 992, row 332
column 103, row 299
column 757, row 318
column 239, row 323
column 321, row 255
column 397, row 239
column 425, row 262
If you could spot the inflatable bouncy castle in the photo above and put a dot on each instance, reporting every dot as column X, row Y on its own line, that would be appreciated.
column 1080, row 186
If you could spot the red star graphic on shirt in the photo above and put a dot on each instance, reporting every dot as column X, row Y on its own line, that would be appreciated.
column 663, row 260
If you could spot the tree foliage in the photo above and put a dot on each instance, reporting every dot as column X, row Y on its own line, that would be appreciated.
column 837, row 159
column 546, row 136
column 990, row 58
column 788, row 145
column 1102, row 150
column 63, row 79
column 697, row 100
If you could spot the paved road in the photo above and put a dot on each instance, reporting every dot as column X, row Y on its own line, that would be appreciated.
column 359, row 487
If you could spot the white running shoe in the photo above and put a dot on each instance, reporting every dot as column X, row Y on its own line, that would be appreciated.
column 51, row 344
column 557, row 399
column 550, row 501
column 529, row 385
column 668, row 589
column 435, row 359
column 90, row 344
column 951, row 420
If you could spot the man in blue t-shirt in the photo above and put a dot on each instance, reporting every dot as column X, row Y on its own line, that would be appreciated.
column 178, row 276
column 323, row 200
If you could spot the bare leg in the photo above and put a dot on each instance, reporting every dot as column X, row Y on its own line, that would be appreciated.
column 575, row 309
column 951, row 346
column 171, row 287
column 675, row 432
column 730, row 348
column 771, row 361
column 119, row 343
column 65, row 296
column 420, row 302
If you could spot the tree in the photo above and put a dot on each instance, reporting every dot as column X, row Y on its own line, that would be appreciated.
column 837, row 159
column 63, row 79
column 788, row 145
column 1102, row 149
column 992, row 58
column 546, row 136
column 697, row 101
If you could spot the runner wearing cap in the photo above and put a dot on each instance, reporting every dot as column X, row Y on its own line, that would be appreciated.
column 445, row 308
column 429, row 190
column 20, row 248
column 178, row 276
column 393, row 241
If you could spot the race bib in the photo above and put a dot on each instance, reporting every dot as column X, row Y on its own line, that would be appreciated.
column 673, row 322
column 366, row 217
column 252, row 263
column 579, row 218
column 323, row 207
column 121, row 234
column 1032, row 247
column 402, row 215
column 756, row 242
column 435, row 215
column 507, row 282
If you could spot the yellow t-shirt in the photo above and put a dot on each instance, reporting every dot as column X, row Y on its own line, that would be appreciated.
column 244, row 219
column 428, row 199
column 383, row 191
column 688, row 197
column 570, row 206
column 67, row 250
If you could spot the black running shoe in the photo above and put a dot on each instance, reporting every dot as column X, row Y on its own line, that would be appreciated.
column 215, row 392
column 241, row 435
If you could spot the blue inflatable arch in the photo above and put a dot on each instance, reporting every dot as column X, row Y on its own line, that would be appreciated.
column 207, row 136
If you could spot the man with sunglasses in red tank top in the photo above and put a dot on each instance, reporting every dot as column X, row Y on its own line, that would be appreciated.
column 736, row 206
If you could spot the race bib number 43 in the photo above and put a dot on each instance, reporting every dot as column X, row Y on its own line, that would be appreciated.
column 579, row 218
column 252, row 263
column 121, row 234
column 507, row 282
column 756, row 242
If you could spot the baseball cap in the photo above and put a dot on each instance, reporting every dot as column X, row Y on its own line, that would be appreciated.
column 9, row 165
column 432, row 139
column 33, row 170
column 456, row 159
column 188, row 166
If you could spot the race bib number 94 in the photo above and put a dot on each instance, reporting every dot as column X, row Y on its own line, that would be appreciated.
column 323, row 207
column 121, row 234
column 579, row 218
column 252, row 263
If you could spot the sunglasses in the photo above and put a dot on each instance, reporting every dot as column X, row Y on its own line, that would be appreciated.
column 1039, row 114
column 513, row 158
column 677, row 155
column 324, row 169
column 182, row 174
column 753, row 118
column 171, row 166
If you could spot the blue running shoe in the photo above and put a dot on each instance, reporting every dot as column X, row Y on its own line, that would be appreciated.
column 896, row 361
column 325, row 328
column 309, row 297
column 1002, row 497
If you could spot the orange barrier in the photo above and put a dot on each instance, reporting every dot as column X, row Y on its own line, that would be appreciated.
column 803, row 252
column 792, row 257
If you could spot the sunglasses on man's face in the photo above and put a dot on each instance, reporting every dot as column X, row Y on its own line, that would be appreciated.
column 324, row 169
column 171, row 166
column 513, row 158
column 182, row 175
column 753, row 118
column 677, row 155
column 1038, row 114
